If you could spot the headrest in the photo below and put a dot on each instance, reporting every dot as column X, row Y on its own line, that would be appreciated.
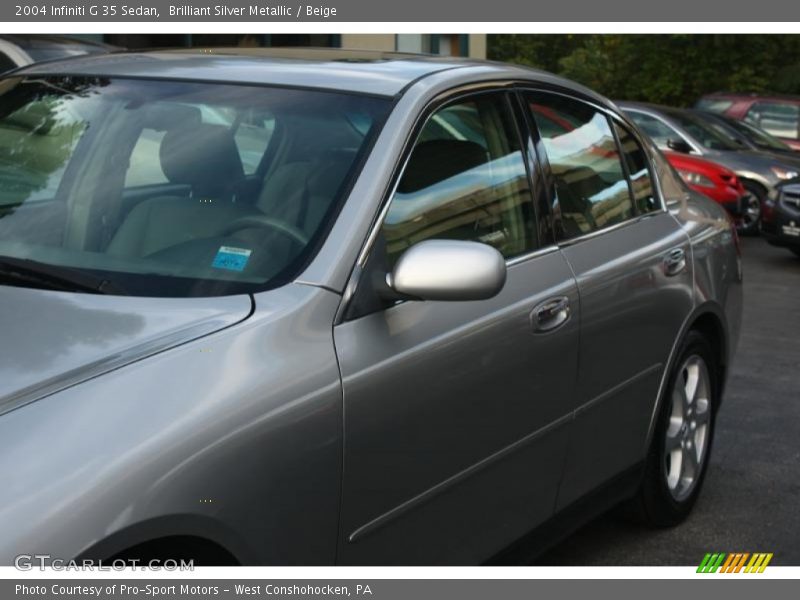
column 437, row 160
column 203, row 156
column 164, row 116
column 329, row 174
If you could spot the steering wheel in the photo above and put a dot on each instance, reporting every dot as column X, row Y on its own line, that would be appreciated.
column 264, row 221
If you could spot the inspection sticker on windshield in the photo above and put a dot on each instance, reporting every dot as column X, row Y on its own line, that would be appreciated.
column 232, row 259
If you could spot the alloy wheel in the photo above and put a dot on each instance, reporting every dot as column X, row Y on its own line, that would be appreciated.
column 751, row 213
column 688, row 430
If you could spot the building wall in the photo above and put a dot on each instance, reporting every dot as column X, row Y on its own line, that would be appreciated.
column 369, row 41
column 477, row 45
column 448, row 44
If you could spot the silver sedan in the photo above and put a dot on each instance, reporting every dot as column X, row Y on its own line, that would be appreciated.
column 343, row 308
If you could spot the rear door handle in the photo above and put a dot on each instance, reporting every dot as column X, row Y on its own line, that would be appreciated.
column 550, row 314
column 674, row 262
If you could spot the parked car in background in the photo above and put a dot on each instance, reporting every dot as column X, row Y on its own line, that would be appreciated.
column 683, row 131
column 781, row 218
column 718, row 183
column 775, row 114
column 749, row 136
column 21, row 50
column 453, row 302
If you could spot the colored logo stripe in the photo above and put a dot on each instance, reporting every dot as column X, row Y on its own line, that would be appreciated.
column 734, row 562
column 758, row 563
column 711, row 563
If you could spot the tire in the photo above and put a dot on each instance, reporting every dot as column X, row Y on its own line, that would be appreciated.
column 685, row 429
column 751, row 211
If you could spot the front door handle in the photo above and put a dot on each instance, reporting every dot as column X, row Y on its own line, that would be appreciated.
column 674, row 262
column 550, row 314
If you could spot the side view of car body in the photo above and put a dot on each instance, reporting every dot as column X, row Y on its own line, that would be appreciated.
column 688, row 133
column 429, row 320
column 781, row 223
column 748, row 135
column 716, row 182
column 777, row 115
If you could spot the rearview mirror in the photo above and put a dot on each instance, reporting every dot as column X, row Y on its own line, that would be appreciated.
column 449, row 270
column 679, row 145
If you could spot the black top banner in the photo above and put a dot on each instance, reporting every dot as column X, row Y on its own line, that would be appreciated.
column 408, row 10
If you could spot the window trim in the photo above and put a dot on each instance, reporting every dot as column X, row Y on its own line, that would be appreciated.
column 615, row 124
column 543, row 202
column 430, row 111
column 633, row 130
column 503, row 87
column 611, row 117
column 512, row 88
column 424, row 116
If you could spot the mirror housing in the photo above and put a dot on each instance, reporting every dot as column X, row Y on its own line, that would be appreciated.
column 679, row 145
column 448, row 270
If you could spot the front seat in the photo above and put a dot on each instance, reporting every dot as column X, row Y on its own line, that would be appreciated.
column 436, row 160
column 205, row 158
column 301, row 192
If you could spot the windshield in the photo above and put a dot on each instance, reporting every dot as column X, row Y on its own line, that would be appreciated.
column 758, row 136
column 172, row 188
column 705, row 134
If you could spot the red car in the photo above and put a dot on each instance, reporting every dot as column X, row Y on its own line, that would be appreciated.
column 718, row 183
column 778, row 115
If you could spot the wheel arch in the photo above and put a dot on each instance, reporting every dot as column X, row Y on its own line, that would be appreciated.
column 187, row 537
column 709, row 320
column 755, row 180
column 200, row 551
column 710, row 324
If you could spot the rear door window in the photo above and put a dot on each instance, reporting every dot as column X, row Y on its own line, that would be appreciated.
column 638, row 171
column 591, row 186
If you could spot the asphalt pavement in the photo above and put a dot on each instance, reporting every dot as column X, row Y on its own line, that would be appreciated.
column 751, row 497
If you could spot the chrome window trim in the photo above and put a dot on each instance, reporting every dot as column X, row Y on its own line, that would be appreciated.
column 500, row 85
column 420, row 121
column 522, row 258
column 610, row 228
column 614, row 116
column 438, row 101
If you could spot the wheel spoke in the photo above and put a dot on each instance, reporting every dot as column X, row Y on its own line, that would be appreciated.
column 702, row 414
column 700, row 442
column 692, row 382
column 676, row 416
column 674, row 468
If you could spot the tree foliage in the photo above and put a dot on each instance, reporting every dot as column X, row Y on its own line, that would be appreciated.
column 671, row 69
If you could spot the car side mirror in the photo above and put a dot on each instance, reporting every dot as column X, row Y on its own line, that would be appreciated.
column 679, row 145
column 448, row 270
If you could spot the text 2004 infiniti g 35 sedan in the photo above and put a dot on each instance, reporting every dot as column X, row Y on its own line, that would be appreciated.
column 343, row 309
